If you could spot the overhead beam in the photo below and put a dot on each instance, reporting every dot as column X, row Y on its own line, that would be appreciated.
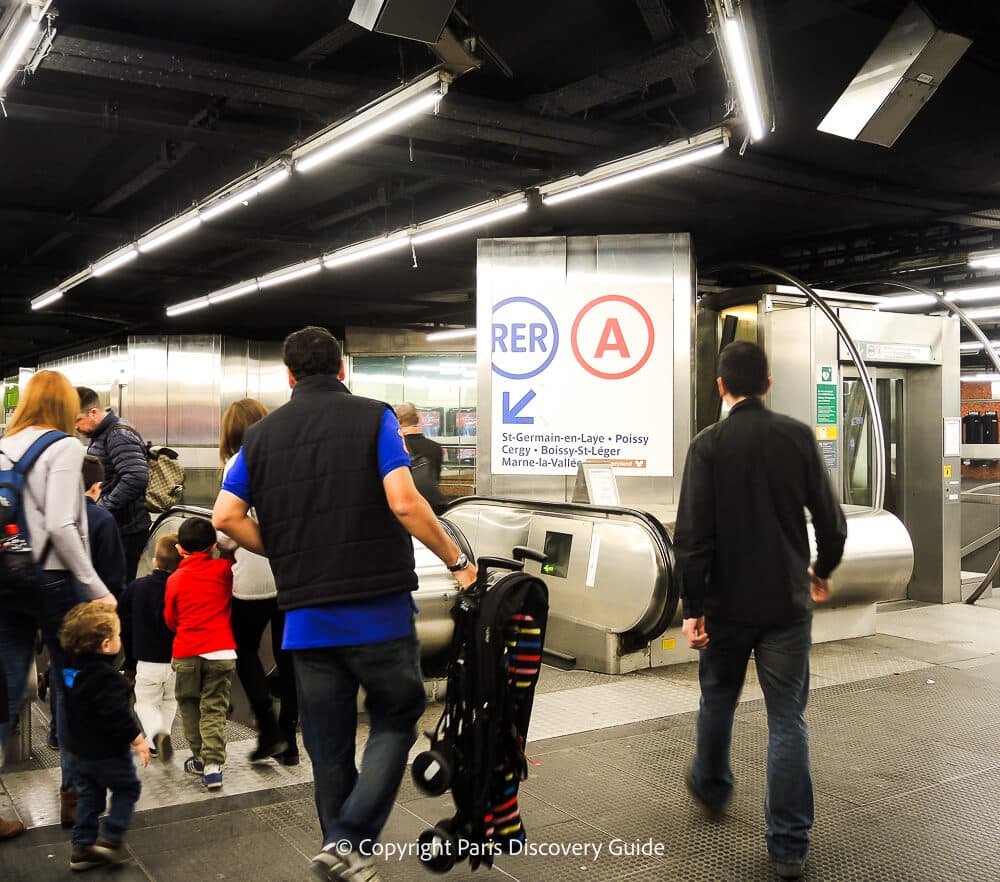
column 329, row 44
column 659, row 21
column 676, row 63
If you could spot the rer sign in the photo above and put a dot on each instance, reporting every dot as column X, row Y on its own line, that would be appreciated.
column 581, row 372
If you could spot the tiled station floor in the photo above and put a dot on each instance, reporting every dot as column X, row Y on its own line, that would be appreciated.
column 906, row 764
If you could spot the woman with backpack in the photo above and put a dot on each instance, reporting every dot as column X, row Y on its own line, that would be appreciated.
column 255, row 606
column 55, row 516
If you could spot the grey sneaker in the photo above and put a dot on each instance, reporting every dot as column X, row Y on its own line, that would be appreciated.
column 332, row 866
column 789, row 869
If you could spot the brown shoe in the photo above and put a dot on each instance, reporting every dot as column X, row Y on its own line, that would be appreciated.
column 10, row 829
column 112, row 852
column 86, row 857
column 67, row 807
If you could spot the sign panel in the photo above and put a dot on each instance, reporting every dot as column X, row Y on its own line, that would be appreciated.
column 582, row 371
column 909, row 353
column 826, row 405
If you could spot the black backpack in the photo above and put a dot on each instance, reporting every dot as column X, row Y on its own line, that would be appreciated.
column 19, row 574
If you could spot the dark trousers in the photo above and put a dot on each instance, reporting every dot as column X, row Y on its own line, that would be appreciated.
column 354, row 806
column 249, row 619
column 782, row 657
column 132, row 545
column 94, row 778
column 44, row 611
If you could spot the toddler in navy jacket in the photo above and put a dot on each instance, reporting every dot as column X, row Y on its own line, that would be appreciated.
column 101, row 732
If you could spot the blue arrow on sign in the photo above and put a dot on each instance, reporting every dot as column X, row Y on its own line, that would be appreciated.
column 510, row 414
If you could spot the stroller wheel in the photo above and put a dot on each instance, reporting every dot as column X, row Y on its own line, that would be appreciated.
column 432, row 772
column 437, row 849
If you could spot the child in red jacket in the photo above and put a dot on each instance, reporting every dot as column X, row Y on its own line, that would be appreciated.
column 196, row 608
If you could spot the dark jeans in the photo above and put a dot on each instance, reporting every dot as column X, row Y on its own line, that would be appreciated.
column 782, row 657
column 354, row 806
column 132, row 545
column 249, row 619
column 94, row 778
column 18, row 624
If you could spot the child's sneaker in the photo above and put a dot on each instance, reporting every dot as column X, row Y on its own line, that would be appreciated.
column 194, row 766
column 112, row 852
column 331, row 865
column 164, row 747
column 153, row 753
column 86, row 857
column 212, row 779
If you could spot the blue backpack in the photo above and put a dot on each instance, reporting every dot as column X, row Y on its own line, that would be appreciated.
column 18, row 571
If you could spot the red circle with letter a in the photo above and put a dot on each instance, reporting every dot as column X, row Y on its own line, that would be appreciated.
column 612, row 337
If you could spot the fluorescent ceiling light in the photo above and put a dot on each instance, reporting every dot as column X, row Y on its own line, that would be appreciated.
column 982, row 259
column 383, row 124
column 986, row 312
column 188, row 306
column 355, row 253
column 471, row 223
column 114, row 260
column 46, row 299
column 168, row 232
column 976, row 346
column 456, row 334
column 635, row 167
column 981, row 378
column 735, row 39
column 233, row 291
column 290, row 273
column 907, row 301
column 243, row 194
column 970, row 295
column 24, row 33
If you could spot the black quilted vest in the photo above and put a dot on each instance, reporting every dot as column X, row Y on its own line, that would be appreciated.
column 327, row 528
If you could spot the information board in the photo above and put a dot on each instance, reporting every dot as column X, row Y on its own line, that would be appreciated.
column 581, row 372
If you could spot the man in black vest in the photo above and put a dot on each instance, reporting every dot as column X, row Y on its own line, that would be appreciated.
column 743, row 563
column 329, row 480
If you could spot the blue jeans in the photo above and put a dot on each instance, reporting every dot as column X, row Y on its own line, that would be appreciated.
column 18, row 624
column 94, row 778
column 354, row 806
column 782, row 656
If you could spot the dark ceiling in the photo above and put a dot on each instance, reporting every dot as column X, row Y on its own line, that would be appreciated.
column 142, row 108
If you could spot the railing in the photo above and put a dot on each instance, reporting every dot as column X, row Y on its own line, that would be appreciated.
column 979, row 496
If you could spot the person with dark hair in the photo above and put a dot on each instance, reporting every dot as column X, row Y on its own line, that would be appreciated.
column 149, row 647
column 330, row 482
column 747, row 586
column 196, row 609
column 126, row 472
column 255, row 606
column 426, row 456
column 101, row 733
column 106, row 550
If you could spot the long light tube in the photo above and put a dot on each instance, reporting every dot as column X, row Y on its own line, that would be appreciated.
column 373, row 130
column 457, row 334
column 971, row 295
column 290, row 274
column 737, row 45
column 188, row 306
column 167, row 233
column 19, row 45
column 618, row 180
column 49, row 297
column 243, row 195
column 470, row 224
column 115, row 260
column 985, row 312
column 355, row 253
column 233, row 291
column 976, row 346
column 980, row 378
column 982, row 259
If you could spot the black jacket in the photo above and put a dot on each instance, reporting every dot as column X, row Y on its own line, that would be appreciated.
column 126, row 473
column 327, row 528
column 740, row 540
column 429, row 485
column 145, row 634
column 106, row 552
column 101, row 725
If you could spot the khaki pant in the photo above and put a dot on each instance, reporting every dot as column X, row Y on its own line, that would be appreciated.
column 203, row 698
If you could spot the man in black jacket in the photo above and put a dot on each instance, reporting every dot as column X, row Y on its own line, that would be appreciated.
column 426, row 456
column 330, row 483
column 126, row 472
column 743, row 561
column 101, row 732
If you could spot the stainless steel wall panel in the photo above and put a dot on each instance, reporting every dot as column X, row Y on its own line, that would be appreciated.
column 271, row 388
column 238, row 372
column 148, row 387
column 194, row 366
column 104, row 370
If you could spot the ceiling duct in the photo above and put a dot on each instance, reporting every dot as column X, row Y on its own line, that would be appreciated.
column 899, row 77
column 422, row 20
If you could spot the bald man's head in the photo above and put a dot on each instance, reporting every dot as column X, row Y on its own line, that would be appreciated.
column 407, row 415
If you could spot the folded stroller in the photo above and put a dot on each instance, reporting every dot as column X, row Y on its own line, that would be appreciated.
column 477, row 747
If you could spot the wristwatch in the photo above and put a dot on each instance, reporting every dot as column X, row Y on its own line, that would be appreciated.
column 460, row 564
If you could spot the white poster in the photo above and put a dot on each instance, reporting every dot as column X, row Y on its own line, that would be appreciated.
column 582, row 372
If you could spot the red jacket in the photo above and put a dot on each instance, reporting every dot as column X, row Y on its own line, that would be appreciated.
column 197, row 604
